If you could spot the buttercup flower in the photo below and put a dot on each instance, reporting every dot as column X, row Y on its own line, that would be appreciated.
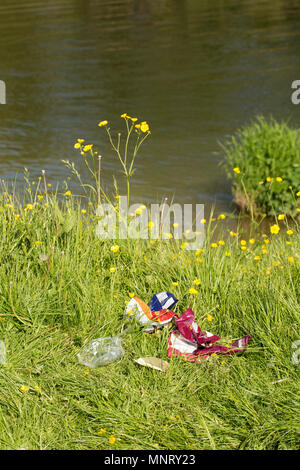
column 144, row 126
column 88, row 147
column 193, row 291
column 274, row 229
column 102, row 123
column 114, row 248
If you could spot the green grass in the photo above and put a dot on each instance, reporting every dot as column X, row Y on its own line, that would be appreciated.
column 263, row 160
column 51, row 307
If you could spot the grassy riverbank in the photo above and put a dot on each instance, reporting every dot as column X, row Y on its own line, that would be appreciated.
column 61, row 286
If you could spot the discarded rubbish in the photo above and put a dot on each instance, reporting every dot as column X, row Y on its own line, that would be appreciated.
column 163, row 300
column 153, row 363
column 101, row 351
column 2, row 353
column 189, row 341
column 155, row 316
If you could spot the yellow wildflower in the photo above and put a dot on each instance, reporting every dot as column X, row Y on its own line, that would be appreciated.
column 289, row 232
column 237, row 170
column 197, row 282
column 281, row 216
column 114, row 248
column 193, row 291
column 112, row 440
column 102, row 123
column 88, row 147
column 274, row 229
column 68, row 193
column 144, row 126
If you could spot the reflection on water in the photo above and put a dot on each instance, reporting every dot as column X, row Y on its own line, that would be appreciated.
column 195, row 70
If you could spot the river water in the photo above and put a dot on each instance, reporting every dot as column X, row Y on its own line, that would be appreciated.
column 196, row 70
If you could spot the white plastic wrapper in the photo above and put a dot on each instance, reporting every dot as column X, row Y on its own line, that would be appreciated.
column 101, row 351
column 2, row 353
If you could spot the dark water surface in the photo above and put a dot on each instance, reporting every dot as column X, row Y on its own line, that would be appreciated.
column 194, row 69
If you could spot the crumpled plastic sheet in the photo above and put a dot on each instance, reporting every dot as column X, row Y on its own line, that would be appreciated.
column 157, row 314
column 2, row 353
column 101, row 351
column 189, row 341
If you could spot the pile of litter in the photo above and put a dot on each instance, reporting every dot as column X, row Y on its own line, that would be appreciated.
column 186, row 339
